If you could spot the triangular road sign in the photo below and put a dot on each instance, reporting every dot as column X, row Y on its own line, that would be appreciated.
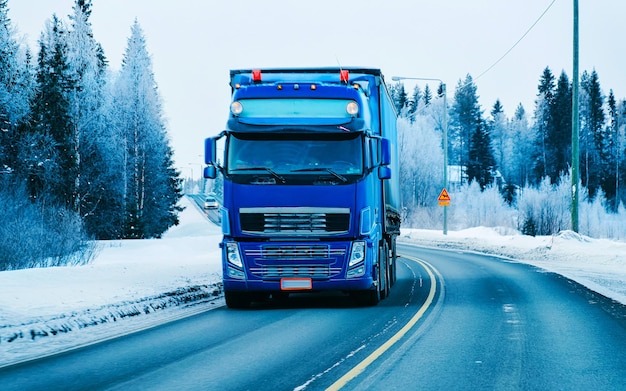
column 444, row 196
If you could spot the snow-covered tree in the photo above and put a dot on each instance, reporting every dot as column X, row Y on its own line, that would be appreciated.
column 400, row 98
column 16, row 89
column 481, row 165
column 594, row 158
column 152, row 187
column 542, row 124
column 465, row 118
column 498, row 128
column 54, row 175
column 559, row 137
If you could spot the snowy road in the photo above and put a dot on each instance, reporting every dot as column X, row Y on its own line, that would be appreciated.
column 493, row 324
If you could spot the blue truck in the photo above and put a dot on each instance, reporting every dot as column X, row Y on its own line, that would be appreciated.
column 308, row 167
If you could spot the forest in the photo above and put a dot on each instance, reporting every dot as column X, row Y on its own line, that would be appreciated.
column 514, row 172
column 84, row 151
column 85, row 154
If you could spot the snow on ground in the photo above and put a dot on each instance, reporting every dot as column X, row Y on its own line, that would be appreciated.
column 135, row 284
column 50, row 309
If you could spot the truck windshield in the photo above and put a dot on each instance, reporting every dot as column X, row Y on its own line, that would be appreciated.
column 288, row 157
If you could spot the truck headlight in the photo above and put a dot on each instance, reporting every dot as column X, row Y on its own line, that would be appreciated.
column 357, row 255
column 232, row 255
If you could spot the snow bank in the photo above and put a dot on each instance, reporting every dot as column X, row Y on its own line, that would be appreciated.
column 166, row 278
column 599, row 264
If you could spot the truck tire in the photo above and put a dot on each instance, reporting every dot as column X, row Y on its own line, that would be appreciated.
column 238, row 300
column 372, row 297
column 393, row 262
column 383, row 282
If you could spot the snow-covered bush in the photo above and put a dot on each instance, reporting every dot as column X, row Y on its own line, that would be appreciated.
column 472, row 207
column 545, row 209
column 39, row 235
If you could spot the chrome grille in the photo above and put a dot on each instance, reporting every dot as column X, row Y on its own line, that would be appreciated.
column 281, row 271
column 295, row 252
column 290, row 221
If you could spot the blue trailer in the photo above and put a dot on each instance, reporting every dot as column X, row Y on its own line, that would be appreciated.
column 309, row 170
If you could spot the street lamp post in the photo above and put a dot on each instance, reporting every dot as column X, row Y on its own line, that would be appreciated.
column 445, row 138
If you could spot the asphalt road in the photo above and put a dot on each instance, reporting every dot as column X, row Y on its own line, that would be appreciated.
column 456, row 321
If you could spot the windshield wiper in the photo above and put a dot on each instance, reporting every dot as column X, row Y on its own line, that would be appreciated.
column 328, row 170
column 274, row 173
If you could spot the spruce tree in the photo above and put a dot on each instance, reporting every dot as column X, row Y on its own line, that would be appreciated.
column 465, row 119
column 152, row 188
column 414, row 103
column 427, row 97
column 16, row 88
column 559, row 131
column 55, row 174
column 481, row 164
column 543, row 122
column 498, row 129
column 594, row 164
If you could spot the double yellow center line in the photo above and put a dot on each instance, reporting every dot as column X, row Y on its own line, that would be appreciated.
column 359, row 368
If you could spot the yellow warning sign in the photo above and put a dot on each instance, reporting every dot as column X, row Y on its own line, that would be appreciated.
column 444, row 198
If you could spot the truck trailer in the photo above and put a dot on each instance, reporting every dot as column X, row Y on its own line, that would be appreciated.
column 308, row 170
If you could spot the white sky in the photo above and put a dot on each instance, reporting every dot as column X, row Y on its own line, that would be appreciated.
column 194, row 43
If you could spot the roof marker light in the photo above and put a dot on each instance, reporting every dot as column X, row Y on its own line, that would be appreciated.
column 344, row 75
column 313, row 87
column 256, row 75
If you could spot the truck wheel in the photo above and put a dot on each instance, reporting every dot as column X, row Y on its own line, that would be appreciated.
column 393, row 262
column 237, row 299
column 383, row 270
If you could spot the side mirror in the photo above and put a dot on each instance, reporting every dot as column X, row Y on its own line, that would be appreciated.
column 210, row 172
column 385, row 151
column 209, row 151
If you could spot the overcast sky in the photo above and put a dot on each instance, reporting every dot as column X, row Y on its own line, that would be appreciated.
column 194, row 43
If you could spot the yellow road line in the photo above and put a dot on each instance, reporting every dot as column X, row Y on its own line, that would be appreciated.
column 360, row 367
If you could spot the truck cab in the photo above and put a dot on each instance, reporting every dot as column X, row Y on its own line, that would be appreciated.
column 307, row 167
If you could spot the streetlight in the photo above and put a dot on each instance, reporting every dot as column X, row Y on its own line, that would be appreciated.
column 445, row 139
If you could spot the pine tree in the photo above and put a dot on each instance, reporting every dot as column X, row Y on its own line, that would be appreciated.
column 427, row 97
column 520, row 144
column 466, row 118
column 558, row 142
column 414, row 103
column 16, row 88
column 481, row 165
column 543, row 122
column 99, row 182
column 615, row 152
column 400, row 98
column 498, row 128
column 152, row 188
column 55, row 174
column 594, row 163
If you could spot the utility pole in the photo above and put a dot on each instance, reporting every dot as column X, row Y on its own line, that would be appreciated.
column 575, row 126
